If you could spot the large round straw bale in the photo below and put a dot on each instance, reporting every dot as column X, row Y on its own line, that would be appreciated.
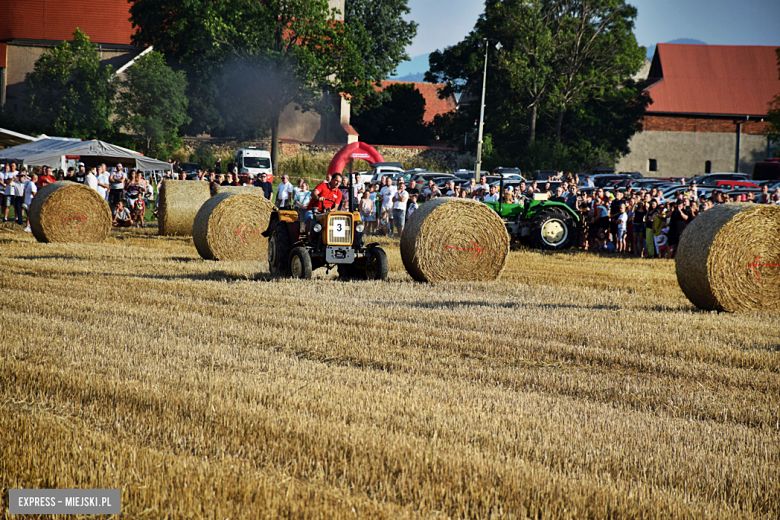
column 68, row 212
column 454, row 239
column 178, row 203
column 235, row 189
column 228, row 227
column 728, row 258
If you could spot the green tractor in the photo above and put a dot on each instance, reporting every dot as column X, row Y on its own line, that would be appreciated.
column 542, row 223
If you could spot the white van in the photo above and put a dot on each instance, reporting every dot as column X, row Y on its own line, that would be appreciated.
column 251, row 162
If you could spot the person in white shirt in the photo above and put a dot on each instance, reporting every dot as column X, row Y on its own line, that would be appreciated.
column 399, row 207
column 103, row 181
column 91, row 179
column 18, row 188
column 30, row 189
column 284, row 193
column 493, row 195
column 8, row 179
column 387, row 193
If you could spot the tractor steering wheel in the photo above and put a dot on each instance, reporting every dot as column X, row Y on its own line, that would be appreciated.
column 322, row 207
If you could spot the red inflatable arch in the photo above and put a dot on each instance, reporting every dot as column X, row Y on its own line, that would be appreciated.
column 353, row 151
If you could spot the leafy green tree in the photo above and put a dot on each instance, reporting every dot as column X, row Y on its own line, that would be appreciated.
column 70, row 93
column 395, row 119
column 152, row 101
column 774, row 115
column 379, row 24
column 256, row 57
column 564, row 64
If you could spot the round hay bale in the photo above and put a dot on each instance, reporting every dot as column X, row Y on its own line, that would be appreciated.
column 68, row 212
column 228, row 227
column 236, row 189
column 177, row 205
column 454, row 239
column 728, row 258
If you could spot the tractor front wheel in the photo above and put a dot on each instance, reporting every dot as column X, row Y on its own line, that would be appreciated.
column 300, row 263
column 552, row 229
column 279, row 249
column 376, row 264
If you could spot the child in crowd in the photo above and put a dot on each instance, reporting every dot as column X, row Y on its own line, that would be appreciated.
column 383, row 226
column 139, row 209
column 622, row 229
column 412, row 207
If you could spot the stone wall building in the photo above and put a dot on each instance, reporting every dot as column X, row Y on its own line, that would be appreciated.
column 708, row 113
column 31, row 27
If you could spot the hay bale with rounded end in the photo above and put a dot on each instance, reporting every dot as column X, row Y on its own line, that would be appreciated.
column 454, row 239
column 68, row 212
column 228, row 227
column 236, row 189
column 728, row 258
column 177, row 205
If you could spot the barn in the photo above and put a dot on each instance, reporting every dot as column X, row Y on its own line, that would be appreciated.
column 709, row 110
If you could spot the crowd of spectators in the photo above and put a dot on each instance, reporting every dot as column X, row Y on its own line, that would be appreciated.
column 630, row 221
column 128, row 192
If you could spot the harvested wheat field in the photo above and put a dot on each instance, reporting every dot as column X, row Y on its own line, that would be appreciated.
column 575, row 386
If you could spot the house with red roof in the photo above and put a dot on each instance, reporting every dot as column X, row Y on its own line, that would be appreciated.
column 434, row 105
column 31, row 27
column 709, row 109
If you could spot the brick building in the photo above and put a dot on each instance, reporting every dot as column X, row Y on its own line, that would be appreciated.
column 31, row 27
column 708, row 112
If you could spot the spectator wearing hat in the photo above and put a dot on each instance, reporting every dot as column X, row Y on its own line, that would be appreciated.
column 81, row 174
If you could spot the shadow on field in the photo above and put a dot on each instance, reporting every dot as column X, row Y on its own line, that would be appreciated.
column 548, row 306
column 49, row 257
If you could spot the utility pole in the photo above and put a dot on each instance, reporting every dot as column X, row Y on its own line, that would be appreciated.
column 487, row 43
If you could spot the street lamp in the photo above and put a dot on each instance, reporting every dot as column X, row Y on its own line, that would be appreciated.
column 487, row 42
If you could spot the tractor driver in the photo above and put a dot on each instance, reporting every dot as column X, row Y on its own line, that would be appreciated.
column 326, row 195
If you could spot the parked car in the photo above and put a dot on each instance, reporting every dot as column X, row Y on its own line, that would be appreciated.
column 732, row 185
column 709, row 179
column 383, row 169
column 424, row 177
column 191, row 169
column 767, row 170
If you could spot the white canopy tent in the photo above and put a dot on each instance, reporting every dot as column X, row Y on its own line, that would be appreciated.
column 55, row 153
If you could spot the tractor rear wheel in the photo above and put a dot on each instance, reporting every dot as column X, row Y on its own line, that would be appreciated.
column 279, row 249
column 300, row 263
column 376, row 264
column 552, row 229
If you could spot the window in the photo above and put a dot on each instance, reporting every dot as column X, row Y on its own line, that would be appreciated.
column 707, row 166
column 652, row 165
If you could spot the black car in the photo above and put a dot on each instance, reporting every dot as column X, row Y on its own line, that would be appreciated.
column 710, row 179
column 191, row 169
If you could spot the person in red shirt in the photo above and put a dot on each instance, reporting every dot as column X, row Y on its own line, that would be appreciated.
column 46, row 178
column 326, row 195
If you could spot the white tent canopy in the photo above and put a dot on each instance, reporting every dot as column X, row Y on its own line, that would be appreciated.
column 55, row 153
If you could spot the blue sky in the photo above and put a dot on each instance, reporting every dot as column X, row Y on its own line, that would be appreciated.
column 716, row 22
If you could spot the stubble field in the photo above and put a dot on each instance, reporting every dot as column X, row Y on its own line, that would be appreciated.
column 576, row 386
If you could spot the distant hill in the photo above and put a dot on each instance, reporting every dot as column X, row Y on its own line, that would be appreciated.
column 688, row 41
column 417, row 65
column 416, row 78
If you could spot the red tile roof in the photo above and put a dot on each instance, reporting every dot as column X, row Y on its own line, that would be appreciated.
column 713, row 79
column 104, row 21
column 433, row 104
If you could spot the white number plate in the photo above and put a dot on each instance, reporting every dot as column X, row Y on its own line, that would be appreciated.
column 339, row 230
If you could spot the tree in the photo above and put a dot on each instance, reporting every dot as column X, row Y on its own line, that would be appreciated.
column 69, row 92
column 152, row 101
column 380, row 24
column 395, row 119
column 257, row 57
column 774, row 112
column 562, row 62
